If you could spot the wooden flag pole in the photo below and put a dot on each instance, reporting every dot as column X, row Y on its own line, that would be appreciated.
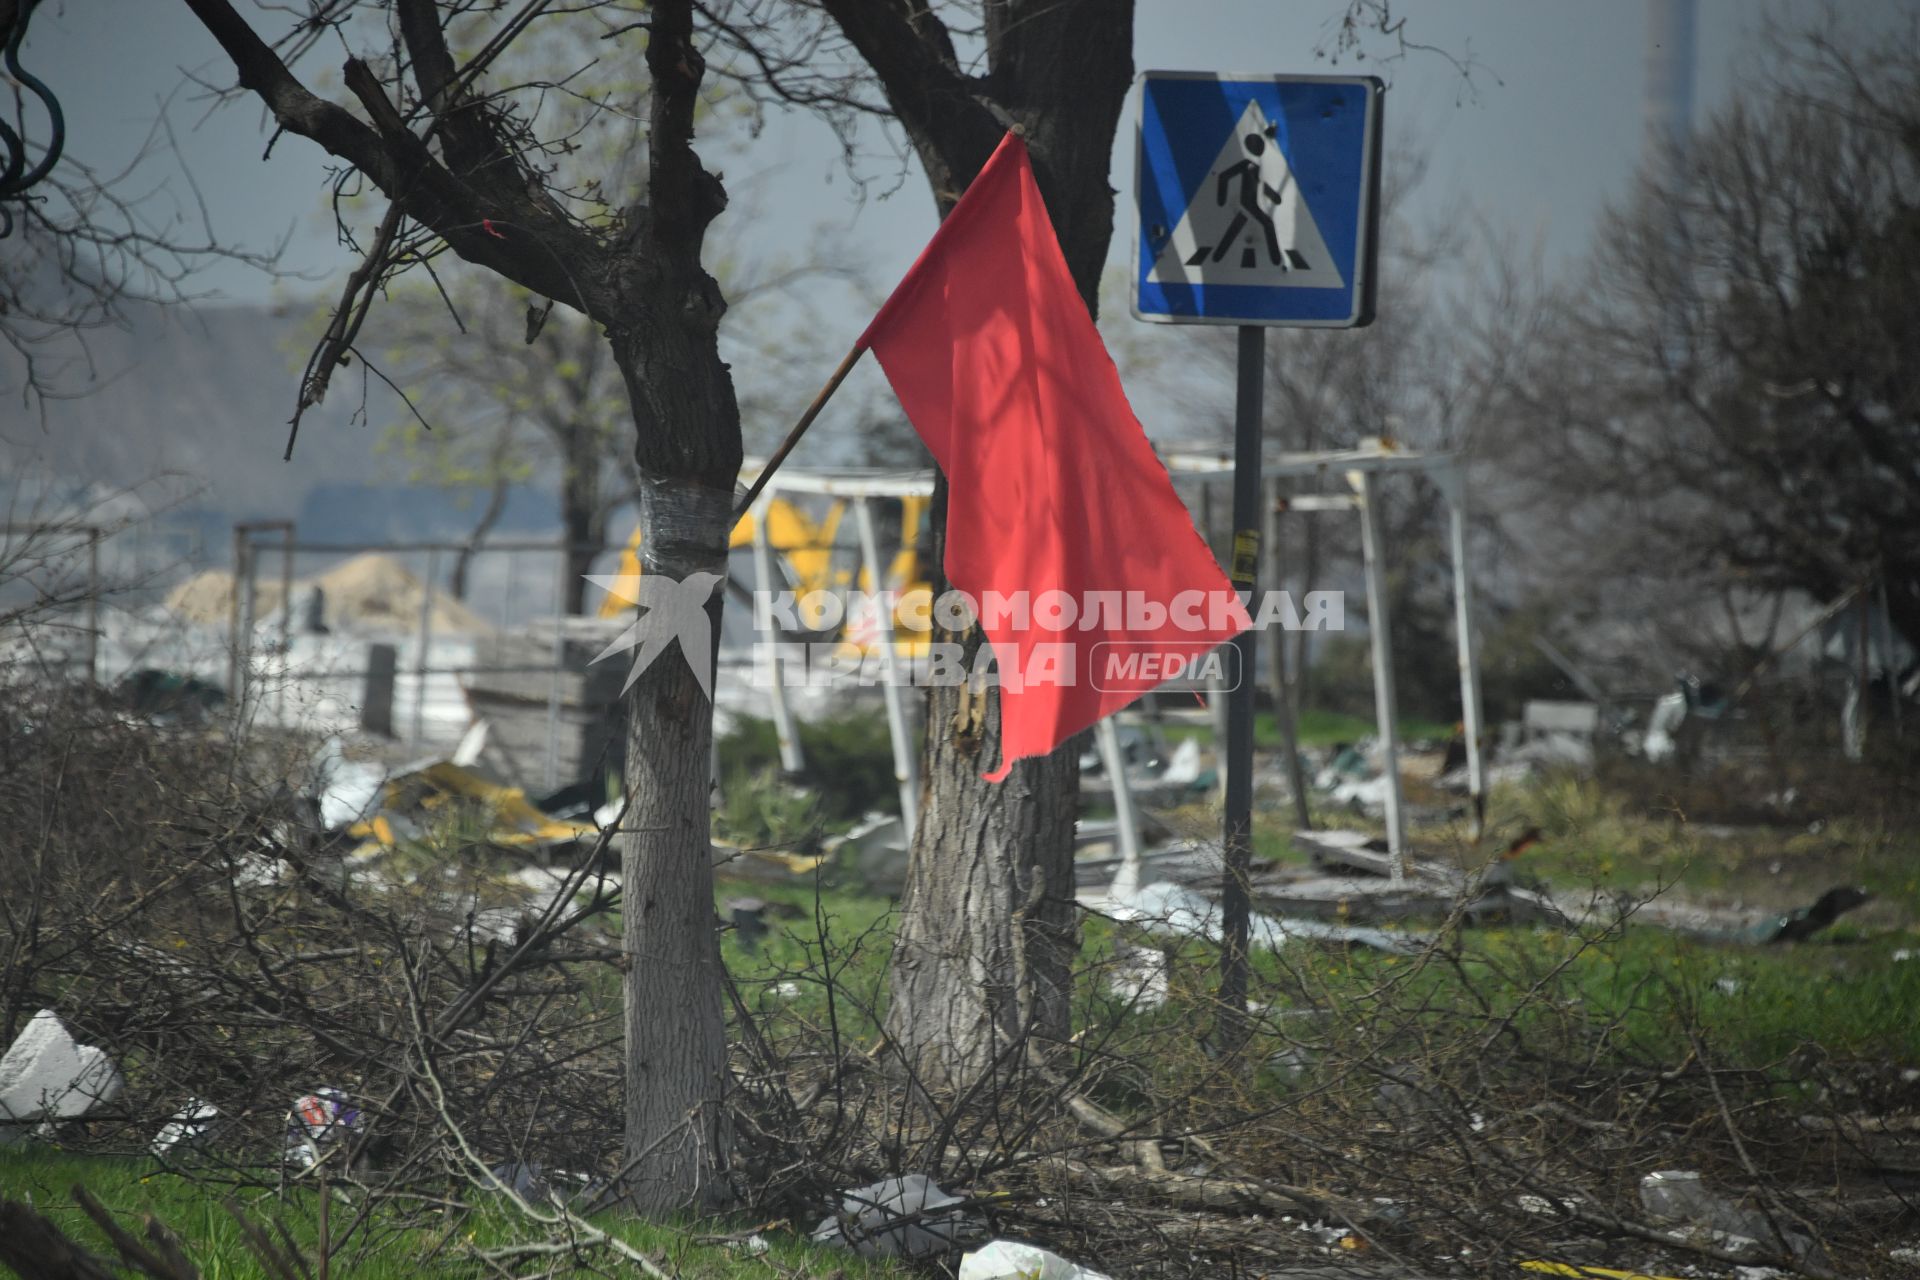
column 799, row 429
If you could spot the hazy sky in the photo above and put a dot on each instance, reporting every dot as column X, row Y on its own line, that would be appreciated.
column 1547, row 129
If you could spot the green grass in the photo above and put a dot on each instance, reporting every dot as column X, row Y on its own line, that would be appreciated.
column 840, row 932
column 1319, row 728
column 1752, row 1005
column 1842, row 994
column 435, row 1242
column 1595, row 835
column 1843, row 991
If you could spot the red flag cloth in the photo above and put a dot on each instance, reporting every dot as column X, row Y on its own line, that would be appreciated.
column 1051, row 483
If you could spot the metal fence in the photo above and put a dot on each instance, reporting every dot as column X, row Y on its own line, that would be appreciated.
column 334, row 637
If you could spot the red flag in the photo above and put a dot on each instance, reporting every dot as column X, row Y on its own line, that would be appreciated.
column 1052, row 485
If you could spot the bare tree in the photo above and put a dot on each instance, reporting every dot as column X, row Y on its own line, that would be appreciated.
column 81, row 245
column 987, row 919
column 513, row 386
column 1726, row 397
column 458, row 148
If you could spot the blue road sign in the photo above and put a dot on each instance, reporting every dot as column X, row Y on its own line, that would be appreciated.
column 1258, row 199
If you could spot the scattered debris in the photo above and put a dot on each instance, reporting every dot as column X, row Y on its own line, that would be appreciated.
column 748, row 918
column 344, row 789
column 317, row 1122
column 1681, row 1198
column 1012, row 1260
column 47, row 1076
column 1362, row 795
column 1800, row 924
column 1184, row 765
column 189, row 1129
column 1139, row 976
column 1586, row 1272
column 1356, row 885
column 170, row 697
column 907, row 1217
column 772, row 866
column 1167, row 908
column 878, row 843
column 1557, row 734
column 413, row 799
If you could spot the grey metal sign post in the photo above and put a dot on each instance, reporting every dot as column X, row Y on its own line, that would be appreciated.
column 1259, row 201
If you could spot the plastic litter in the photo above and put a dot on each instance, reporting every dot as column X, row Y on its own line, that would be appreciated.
column 906, row 1217
column 1139, row 976
column 1012, row 1260
column 317, row 1122
column 189, row 1128
column 1166, row 908
column 1682, row 1198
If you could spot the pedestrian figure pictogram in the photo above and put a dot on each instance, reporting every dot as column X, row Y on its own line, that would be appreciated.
column 1246, row 176
column 1257, row 199
column 1249, row 223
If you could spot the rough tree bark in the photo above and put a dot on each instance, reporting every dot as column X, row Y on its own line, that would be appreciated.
column 464, row 181
column 984, row 952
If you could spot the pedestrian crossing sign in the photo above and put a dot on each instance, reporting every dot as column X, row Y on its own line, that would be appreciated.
column 1258, row 199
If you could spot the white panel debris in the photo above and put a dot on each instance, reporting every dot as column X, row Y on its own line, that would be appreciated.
column 46, row 1075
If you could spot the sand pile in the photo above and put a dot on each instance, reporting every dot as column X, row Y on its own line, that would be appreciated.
column 370, row 592
column 207, row 598
column 373, row 592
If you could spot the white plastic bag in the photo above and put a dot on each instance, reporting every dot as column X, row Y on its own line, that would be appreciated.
column 1012, row 1260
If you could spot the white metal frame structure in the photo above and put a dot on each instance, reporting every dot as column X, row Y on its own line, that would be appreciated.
column 1359, row 468
column 861, row 485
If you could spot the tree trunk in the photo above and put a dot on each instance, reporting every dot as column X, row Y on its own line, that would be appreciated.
column 580, row 508
column 463, row 561
column 687, row 449
column 679, row 1138
column 984, row 952
column 983, row 955
column 661, row 312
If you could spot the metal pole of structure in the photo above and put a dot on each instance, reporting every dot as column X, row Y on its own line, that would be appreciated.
column 903, row 763
column 792, row 759
column 1454, row 486
column 1856, row 744
column 233, row 616
column 1127, row 879
column 1206, row 514
column 286, row 621
column 1243, row 569
column 1886, row 656
column 249, row 614
column 1380, row 633
column 1217, row 696
column 1281, row 686
column 1217, row 709
column 93, row 606
column 559, row 655
column 426, row 642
